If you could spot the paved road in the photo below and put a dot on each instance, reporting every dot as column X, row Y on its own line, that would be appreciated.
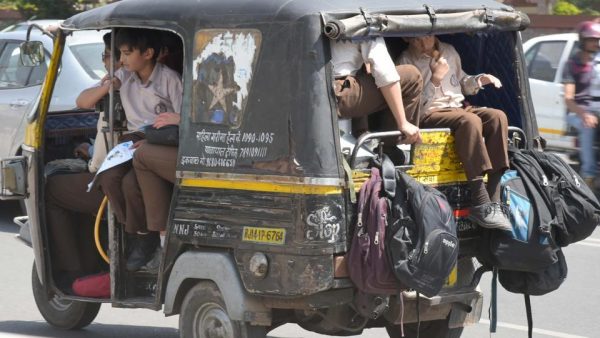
column 570, row 312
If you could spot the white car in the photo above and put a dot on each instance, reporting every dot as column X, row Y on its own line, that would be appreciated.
column 546, row 57
column 20, row 85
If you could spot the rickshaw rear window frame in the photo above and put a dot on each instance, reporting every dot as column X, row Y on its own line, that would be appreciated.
column 217, row 89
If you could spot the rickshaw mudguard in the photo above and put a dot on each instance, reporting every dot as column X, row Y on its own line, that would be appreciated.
column 221, row 269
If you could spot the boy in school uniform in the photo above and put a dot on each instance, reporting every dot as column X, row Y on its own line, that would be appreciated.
column 480, row 133
column 148, row 90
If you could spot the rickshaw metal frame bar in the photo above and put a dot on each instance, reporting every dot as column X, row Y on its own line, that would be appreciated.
column 368, row 136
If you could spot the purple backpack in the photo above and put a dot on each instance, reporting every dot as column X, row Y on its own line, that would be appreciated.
column 367, row 260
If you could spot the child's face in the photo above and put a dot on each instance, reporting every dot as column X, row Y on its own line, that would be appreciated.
column 107, row 57
column 134, row 60
column 423, row 44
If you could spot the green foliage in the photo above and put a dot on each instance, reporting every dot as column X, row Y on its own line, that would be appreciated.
column 43, row 9
column 588, row 6
column 563, row 7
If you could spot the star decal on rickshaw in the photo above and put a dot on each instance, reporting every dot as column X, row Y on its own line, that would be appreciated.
column 220, row 93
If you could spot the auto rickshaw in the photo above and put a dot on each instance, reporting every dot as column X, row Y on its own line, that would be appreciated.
column 262, row 211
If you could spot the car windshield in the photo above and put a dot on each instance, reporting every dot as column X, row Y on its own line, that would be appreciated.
column 89, row 56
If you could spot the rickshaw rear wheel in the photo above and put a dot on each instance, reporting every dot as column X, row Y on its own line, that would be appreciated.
column 61, row 313
column 204, row 315
column 429, row 329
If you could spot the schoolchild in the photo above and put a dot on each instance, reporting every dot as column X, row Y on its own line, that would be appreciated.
column 578, row 76
column 394, row 89
column 148, row 89
column 480, row 133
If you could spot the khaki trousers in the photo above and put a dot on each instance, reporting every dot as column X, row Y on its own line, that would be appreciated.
column 480, row 137
column 358, row 96
column 69, row 220
column 155, row 167
column 120, row 185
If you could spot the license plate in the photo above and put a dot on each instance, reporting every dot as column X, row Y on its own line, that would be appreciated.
column 264, row 235
column 451, row 280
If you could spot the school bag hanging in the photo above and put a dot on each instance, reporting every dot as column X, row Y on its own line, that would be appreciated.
column 367, row 261
column 572, row 202
column 422, row 244
column 530, row 245
column 526, row 260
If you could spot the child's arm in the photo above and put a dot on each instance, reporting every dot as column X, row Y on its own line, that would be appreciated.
column 165, row 119
column 88, row 98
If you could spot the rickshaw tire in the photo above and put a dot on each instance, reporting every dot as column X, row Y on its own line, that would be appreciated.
column 429, row 329
column 205, row 300
column 60, row 313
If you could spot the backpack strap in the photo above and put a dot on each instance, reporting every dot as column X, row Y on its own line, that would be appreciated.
column 418, row 316
column 401, row 300
column 348, row 171
column 529, row 316
column 388, row 175
column 493, row 310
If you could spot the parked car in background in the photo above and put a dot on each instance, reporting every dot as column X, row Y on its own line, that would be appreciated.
column 545, row 57
column 22, row 26
column 20, row 85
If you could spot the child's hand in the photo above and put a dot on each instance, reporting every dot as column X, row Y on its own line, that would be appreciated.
column 486, row 79
column 83, row 151
column 106, row 82
column 439, row 69
column 410, row 134
column 137, row 144
column 165, row 119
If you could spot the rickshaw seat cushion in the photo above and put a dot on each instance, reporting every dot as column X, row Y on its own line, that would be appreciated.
column 93, row 286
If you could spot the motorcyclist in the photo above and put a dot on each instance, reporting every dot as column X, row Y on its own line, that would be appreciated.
column 579, row 81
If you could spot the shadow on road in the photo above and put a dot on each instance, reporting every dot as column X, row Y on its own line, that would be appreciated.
column 17, row 328
column 8, row 211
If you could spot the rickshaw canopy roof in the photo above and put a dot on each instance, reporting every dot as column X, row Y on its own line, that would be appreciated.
column 294, row 108
column 190, row 14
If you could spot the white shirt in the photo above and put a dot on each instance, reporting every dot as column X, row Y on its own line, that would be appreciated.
column 452, row 87
column 348, row 57
column 99, row 147
column 143, row 102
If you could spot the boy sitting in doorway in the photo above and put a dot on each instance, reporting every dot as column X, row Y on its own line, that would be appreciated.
column 149, row 90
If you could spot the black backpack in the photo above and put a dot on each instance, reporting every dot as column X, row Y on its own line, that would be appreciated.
column 530, row 246
column 422, row 243
column 526, row 260
column 573, row 203
column 535, row 283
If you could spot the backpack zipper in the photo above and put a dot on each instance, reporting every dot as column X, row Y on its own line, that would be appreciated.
column 576, row 181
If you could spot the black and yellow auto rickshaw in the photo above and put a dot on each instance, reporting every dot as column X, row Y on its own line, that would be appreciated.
column 261, row 214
